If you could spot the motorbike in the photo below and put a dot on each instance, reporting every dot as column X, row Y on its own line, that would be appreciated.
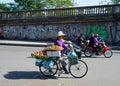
column 83, row 45
column 104, row 50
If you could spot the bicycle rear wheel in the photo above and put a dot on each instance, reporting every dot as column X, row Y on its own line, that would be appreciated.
column 78, row 70
column 46, row 70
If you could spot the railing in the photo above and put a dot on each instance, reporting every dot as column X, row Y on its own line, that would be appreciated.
column 61, row 12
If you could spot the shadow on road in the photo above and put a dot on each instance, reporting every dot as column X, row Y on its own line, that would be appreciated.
column 31, row 57
column 26, row 75
column 93, row 57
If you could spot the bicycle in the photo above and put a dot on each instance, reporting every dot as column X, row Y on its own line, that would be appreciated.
column 77, row 68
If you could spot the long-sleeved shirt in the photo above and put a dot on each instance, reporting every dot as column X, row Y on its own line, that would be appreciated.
column 60, row 43
column 96, row 42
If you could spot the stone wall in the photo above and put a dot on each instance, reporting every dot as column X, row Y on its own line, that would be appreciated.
column 107, row 30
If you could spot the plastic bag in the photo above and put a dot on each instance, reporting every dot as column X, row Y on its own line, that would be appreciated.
column 37, row 62
column 72, row 57
column 72, row 54
column 48, row 64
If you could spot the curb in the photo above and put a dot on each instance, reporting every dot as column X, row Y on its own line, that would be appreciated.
column 115, row 47
column 38, row 44
column 25, row 43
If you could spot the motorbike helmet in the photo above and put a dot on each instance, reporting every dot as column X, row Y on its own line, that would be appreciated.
column 96, row 35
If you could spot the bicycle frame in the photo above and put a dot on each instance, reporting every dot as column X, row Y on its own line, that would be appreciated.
column 60, row 68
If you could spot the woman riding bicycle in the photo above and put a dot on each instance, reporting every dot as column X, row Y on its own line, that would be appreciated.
column 76, row 67
column 60, row 42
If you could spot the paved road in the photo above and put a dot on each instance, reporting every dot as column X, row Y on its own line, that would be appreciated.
column 17, row 69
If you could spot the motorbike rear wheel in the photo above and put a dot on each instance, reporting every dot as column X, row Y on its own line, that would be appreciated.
column 108, row 53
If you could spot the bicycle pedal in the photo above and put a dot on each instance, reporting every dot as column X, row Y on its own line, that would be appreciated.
column 60, row 72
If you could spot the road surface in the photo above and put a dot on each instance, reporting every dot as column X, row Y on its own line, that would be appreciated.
column 17, row 68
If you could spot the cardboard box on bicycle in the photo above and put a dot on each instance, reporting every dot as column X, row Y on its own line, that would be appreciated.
column 52, row 53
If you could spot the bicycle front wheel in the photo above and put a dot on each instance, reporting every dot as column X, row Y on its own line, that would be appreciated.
column 78, row 70
column 48, row 69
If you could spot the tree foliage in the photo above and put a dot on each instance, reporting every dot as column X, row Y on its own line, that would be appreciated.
column 110, row 2
column 58, row 3
column 3, row 7
column 115, row 1
column 29, row 4
column 35, row 4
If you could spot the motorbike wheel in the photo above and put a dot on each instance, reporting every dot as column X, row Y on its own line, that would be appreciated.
column 108, row 53
column 88, row 53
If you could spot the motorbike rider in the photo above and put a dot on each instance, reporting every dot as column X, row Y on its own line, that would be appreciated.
column 96, row 44
column 80, row 40
column 91, row 40
column 60, row 42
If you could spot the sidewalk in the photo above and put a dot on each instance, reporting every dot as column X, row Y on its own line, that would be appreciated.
column 24, row 43
column 38, row 44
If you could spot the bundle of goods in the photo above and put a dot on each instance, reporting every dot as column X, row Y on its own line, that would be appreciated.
column 54, row 48
column 49, row 51
column 39, row 54
column 53, row 51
